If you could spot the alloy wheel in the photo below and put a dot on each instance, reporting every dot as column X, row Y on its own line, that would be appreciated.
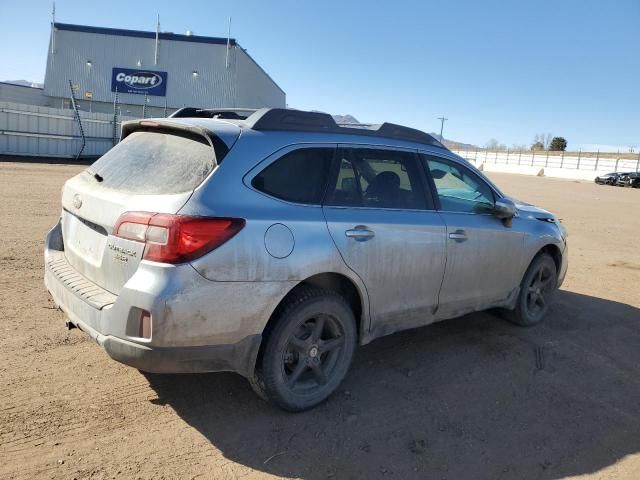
column 538, row 290
column 312, row 354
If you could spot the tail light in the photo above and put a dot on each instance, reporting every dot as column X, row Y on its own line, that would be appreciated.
column 176, row 238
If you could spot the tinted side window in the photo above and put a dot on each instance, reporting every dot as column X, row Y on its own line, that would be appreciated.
column 459, row 189
column 299, row 176
column 378, row 179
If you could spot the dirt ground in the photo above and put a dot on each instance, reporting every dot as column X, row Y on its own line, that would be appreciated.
column 471, row 398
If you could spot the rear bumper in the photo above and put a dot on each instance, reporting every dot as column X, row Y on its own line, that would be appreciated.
column 238, row 357
column 198, row 325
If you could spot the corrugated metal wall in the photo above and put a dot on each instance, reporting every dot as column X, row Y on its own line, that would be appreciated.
column 243, row 84
column 53, row 132
column 20, row 94
column 255, row 87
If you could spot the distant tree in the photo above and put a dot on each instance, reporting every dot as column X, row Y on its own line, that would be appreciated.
column 492, row 144
column 541, row 138
column 558, row 144
column 537, row 146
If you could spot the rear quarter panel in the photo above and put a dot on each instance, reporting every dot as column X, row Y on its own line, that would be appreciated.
column 245, row 258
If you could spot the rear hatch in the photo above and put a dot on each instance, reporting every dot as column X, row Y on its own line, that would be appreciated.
column 155, row 168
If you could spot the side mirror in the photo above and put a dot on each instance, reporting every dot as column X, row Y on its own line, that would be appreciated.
column 504, row 209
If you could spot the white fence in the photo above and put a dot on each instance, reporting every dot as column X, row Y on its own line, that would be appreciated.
column 570, row 165
column 32, row 130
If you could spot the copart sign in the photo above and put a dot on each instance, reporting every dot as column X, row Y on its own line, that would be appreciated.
column 127, row 80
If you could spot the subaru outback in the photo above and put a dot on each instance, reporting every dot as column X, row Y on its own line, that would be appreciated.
column 271, row 243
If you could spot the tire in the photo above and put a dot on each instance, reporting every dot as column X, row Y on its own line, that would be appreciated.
column 309, row 350
column 537, row 290
column 257, row 385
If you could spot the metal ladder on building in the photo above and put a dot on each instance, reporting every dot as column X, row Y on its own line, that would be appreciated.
column 115, row 118
column 77, row 116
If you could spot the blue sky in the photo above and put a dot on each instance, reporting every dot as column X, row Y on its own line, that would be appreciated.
column 503, row 70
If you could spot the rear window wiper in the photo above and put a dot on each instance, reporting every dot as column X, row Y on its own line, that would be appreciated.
column 95, row 175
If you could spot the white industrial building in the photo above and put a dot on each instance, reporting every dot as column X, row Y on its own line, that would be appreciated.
column 196, row 71
column 118, row 74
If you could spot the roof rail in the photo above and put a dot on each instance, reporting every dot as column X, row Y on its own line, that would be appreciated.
column 228, row 113
column 303, row 121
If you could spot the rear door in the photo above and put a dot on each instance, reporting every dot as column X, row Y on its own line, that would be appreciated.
column 387, row 232
column 151, row 170
column 484, row 256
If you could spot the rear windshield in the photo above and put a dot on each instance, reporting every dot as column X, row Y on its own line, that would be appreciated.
column 156, row 162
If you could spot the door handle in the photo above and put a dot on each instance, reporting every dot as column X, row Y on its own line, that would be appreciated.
column 360, row 233
column 458, row 236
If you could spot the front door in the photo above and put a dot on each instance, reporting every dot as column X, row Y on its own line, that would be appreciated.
column 387, row 232
column 484, row 256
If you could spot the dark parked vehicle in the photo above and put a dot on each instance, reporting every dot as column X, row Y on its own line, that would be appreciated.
column 622, row 178
column 633, row 180
column 608, row 178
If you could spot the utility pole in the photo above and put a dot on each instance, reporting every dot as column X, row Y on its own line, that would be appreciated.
column 442, row 120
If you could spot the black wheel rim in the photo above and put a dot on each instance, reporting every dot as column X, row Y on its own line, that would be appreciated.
column 538, row 291
column 313, row 353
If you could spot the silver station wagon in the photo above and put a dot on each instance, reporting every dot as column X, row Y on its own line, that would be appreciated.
column 272, row 242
